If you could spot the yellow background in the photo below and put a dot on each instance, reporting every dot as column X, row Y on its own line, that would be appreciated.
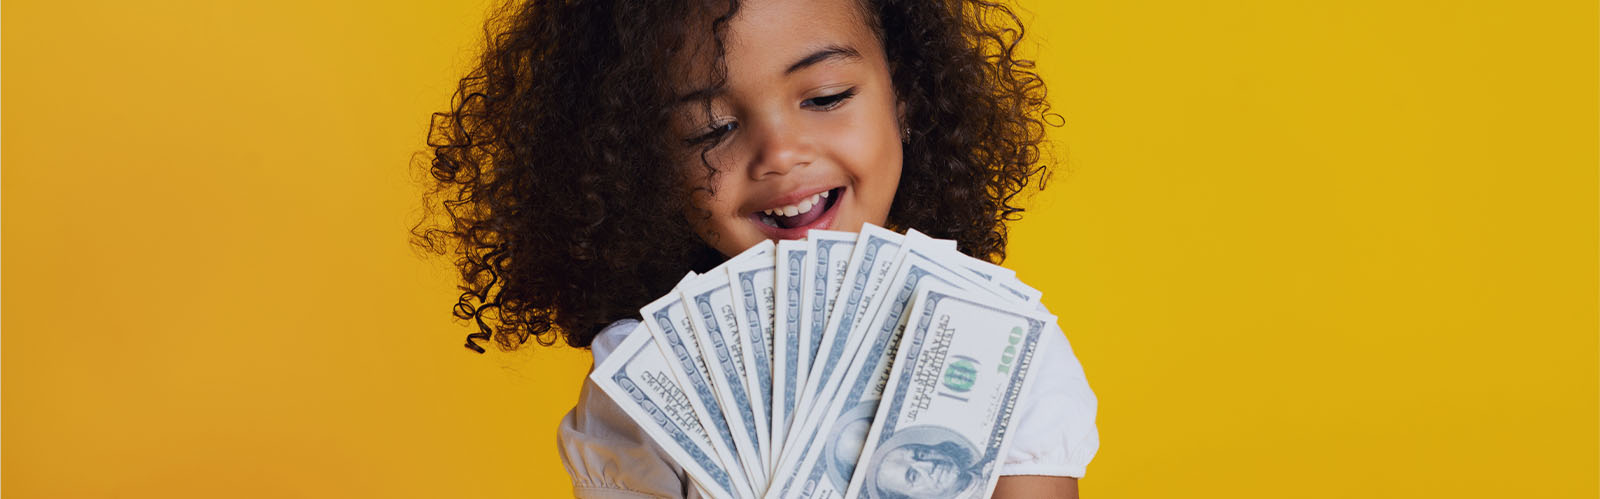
column 1304, row 249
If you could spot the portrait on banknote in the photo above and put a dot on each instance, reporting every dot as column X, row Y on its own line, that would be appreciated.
column 926, row 461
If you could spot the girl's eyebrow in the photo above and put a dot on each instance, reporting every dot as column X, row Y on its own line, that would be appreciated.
column 826, row 53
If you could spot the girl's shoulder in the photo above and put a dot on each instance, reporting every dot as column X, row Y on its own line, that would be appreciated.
column 604, row 452
column 1055, row 425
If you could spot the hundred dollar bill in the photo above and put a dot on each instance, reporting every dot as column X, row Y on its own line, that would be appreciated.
column 714, row 320
column 668, row 321
column 988, row 271
column 943, row 243
column 824, row 465
column 758, row 350
column 827, row 258
column 638, row 378
column 753, row 290
column 872, row 259
column 788, row 370
column 1004, row 279
column 948, row 407
column 1017, row 289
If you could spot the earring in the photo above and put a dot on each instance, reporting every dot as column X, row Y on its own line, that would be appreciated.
column 905, row 135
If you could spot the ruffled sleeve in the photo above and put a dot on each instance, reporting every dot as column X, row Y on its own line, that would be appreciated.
column 605, row 453
column 1056, row 433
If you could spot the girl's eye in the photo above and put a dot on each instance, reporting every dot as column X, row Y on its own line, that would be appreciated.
column 829, row 102
column 717, row 131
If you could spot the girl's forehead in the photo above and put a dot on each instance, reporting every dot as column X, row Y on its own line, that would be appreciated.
column 772, row 39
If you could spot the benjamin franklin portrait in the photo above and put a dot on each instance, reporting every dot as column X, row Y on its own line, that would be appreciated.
column 924, row 462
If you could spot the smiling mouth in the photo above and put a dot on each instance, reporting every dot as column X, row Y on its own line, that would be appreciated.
column 800, row 214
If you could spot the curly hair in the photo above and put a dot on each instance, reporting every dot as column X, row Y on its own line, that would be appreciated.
column 548, row 166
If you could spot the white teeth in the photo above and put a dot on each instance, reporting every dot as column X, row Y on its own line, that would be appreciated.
column 804, row 206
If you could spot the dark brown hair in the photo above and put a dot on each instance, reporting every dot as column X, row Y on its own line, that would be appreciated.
column 550, row 179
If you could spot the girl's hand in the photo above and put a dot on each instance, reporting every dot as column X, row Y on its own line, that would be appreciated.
column 1036, row 486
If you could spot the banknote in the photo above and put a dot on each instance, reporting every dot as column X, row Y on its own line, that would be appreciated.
column 638, row 378
column 944, row 243
column 753, row 292
column 988, row 271
column 1017, row 288
column 1005, row 279
column 788, row 371
column 872, row 258
column 713, row 319
column 772, row 375
column 668, row 321
column 827, row 257
column 824, row 465
column 960, row 368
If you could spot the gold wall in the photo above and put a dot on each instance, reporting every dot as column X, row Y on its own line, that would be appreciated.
column 1303, row 249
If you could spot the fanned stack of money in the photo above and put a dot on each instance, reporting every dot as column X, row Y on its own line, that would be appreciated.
column 868, row 364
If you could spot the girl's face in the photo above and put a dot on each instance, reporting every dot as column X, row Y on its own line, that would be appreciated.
column 806, row 134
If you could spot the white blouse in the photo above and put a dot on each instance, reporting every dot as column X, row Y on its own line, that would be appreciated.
column 608, row 456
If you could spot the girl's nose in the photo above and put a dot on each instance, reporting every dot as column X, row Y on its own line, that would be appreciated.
column 781, row 149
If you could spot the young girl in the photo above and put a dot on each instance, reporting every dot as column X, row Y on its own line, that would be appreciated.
column 601, row 149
